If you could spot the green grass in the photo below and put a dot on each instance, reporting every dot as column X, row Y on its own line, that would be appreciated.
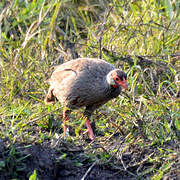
column 35, row 35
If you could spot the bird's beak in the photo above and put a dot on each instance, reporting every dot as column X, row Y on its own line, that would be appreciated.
column 123, row 84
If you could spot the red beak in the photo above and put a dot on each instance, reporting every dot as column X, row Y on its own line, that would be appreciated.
column 123, row 83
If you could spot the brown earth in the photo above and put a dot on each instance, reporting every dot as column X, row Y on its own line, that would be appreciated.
column 68, row 161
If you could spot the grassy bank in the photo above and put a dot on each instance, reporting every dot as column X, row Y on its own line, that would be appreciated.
column 138, row 133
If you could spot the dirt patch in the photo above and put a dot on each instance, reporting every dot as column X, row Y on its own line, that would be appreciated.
column 67, row 162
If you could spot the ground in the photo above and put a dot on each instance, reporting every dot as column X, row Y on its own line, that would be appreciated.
column 63, row 160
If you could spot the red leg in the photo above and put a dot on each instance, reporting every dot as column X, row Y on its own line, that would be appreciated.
column 66, row 118
column 90, row 131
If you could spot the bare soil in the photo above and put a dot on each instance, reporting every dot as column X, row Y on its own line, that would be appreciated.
column 68, row 161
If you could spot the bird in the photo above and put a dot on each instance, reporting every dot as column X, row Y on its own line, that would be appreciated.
column 84, row 82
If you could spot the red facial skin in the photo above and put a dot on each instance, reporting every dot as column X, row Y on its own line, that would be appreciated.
column 122, row 83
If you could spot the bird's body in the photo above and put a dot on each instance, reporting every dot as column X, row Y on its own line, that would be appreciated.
column 84, row 82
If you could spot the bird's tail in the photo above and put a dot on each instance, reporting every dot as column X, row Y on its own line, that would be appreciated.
column 50, row 98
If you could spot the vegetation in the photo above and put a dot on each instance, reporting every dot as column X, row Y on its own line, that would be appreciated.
column 138, row 134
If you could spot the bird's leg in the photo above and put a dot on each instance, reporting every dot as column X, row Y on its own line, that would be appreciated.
column 90, row 131
column 87, row 114
column 66, row 113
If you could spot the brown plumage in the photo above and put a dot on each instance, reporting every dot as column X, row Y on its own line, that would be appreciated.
column 85, row 82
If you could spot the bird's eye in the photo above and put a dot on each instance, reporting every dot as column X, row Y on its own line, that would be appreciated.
column 117, row 79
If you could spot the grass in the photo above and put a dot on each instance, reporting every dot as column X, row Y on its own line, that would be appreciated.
column 35, row 35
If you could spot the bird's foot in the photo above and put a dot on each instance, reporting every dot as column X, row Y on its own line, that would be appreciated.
column 92, row 137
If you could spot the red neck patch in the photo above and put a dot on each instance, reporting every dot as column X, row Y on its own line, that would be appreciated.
column 114, row 86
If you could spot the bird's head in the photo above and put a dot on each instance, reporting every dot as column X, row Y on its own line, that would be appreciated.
column 117, row 78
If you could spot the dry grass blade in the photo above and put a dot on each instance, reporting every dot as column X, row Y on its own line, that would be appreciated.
column 89, row 170
column 35, row 25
